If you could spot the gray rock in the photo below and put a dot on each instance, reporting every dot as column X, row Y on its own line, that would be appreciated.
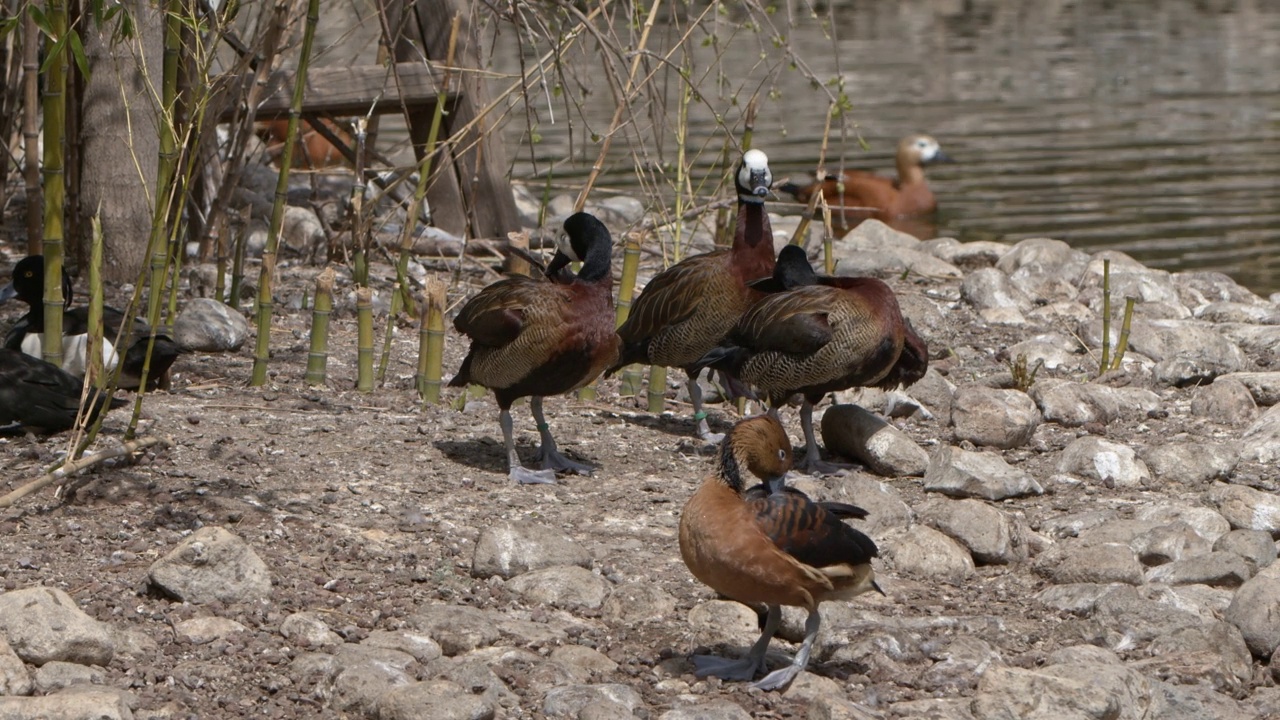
column 853, row 432
column 1212, row 653
column 1074, row 524
column 1256, row 611
column 57, row 675
column 206, row 325
column 365, row 675
column 475, row 672
column 14, row 679
column 211, row 565
column 1236, row 312
column 1207, row 522
column 923, row 551
column 1062, row 692
column 1218, row 569
column 1130, row 278
column 990, row 288
column 621, row 209
column 958, row 663
column 1263, row 387
column 421, row 647
column 1075, row 598
column 988, row 416
column 1194, row 702
column 1191, row 462
column 75, row 704
column 458, row 628
column 1246, row 508
column 510, row 548
column 43, row 624
column 1046, row 270
column 1202, row 353
column 712, row 710
column 1226, row 400
column 1169, row 543
column 302, row 231
column 885, row 508
column 1075, row 561
column 564, row 586
column 1109, row 463
column 309, row 630
column 1207, row 602
column 1082, row 655
column 435, row 699
column 201, row 630
column 1255, row 547
column 933, row 709
column 1074, row 404
column 1256, row 339
column 581, row 656
column 1138, row 615
column 936, row 392
column 634, row 603
column 1261, row 440
column 1202, row 287
column 875, row 248
column 1127, row 531
column 991, row 536
column 567, row 700
column 1049, row 351
column 969, row 255
column 723, row 621
column 960, row 473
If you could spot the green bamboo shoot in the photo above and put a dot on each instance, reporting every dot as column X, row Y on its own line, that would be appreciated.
column 364, row 339
column 431, row 342
column 318, row 357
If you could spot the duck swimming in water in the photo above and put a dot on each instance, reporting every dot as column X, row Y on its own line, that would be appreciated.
column 883, row 197
column 533, row 337
column 26, row 335
column 685, row 310
column 770, row 545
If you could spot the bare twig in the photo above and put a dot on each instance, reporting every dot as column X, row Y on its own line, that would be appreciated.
column 70, row 469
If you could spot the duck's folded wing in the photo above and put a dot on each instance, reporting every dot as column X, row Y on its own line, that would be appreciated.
column 672, row 296
column 495, row 317
column 792, row 322
column 809, row 532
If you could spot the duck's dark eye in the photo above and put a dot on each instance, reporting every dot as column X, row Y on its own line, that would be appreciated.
column 782, row 454
column 28, row 274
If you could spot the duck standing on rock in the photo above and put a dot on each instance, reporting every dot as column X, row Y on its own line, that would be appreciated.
column 533, row 337
column 885, row 198
column 818, row 334
column 26, row 334
column 685, row 310
column 770, row 545
column 41, row 398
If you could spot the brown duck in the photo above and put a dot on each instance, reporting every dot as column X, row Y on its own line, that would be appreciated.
column 686, row 309
column 816, row 335
column 885, row 198
column 533, row 337
column 770, row 545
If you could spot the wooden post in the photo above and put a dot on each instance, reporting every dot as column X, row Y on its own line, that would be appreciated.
column 480, row 158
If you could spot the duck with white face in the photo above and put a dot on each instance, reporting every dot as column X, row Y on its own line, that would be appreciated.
column 685, row 310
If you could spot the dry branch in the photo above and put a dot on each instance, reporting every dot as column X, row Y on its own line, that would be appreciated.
column 70, row 469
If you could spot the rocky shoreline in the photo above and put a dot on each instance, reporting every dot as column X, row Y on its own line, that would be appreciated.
column 1075, row 546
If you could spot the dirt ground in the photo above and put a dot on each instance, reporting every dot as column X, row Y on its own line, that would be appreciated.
column 366, row 506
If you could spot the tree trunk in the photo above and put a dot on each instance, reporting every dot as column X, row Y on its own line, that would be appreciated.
column 121, row 139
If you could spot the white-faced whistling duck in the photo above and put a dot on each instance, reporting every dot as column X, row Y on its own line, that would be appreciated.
column 533, row 337
column 686, row 309
column 26, row 335
column 770, row 544
column 816, row 334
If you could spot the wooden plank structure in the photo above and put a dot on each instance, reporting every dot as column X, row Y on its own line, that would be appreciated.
column 470, row 193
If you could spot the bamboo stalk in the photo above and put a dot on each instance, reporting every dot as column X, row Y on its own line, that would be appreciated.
column 1122, row 345
column 69, row 469
column 1105, row 363
column 318, row 357
column 631, row 374
column 262, row 351
column 31, row 132
column 515, row 263
column 359, row 230
column 431, row 342
column 55, row 121
column 657, row 389
column 95, row 380
column 220, row 260
column 820, row 172
column 237, row 268
column 364, row 339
